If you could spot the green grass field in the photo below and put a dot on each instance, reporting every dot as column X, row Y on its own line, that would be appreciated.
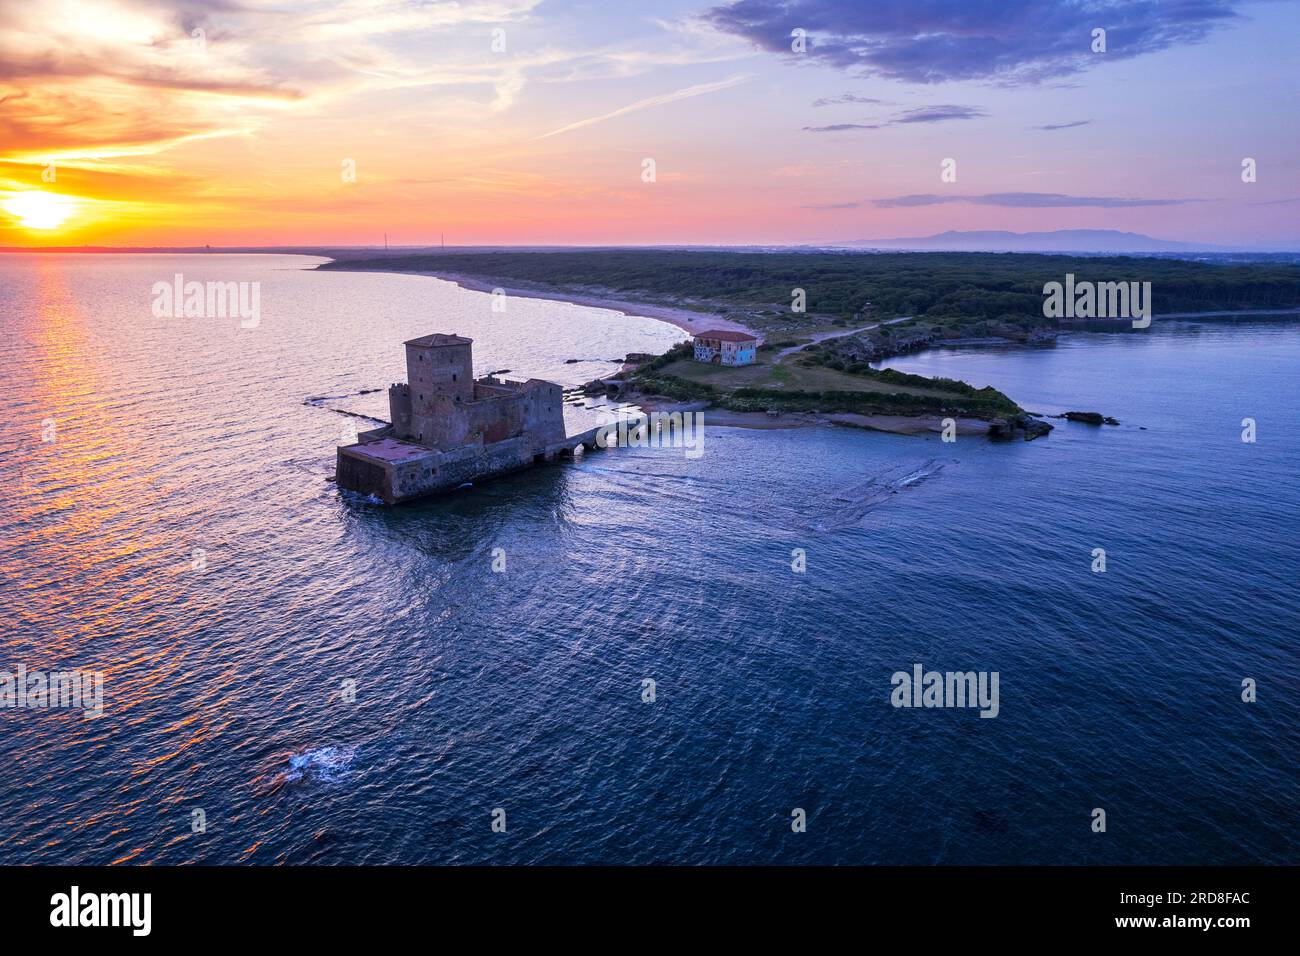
column 786, row 376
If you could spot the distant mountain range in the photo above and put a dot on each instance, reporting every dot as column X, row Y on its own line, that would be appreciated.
column 1060, row 240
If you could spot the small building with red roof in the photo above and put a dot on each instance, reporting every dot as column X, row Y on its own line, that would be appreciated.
column 726, row 347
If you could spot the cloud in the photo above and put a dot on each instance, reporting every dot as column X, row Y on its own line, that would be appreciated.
column 833, row 205
column 933, row 41
column 842, row 127
column 1071, row 125
column 936, row 114
column 105, row 78
column 847, row 98
column 660, row 100
column 921, row 114
column 1022, row 201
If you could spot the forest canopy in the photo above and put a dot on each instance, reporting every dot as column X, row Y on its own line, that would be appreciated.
column 934, row 285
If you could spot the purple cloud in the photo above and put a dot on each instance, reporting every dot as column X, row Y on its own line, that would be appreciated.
column 848, row 98
column 936, row 114
column 1051, row 126
column 921, row 114
column 1022, row 201
column 933, row 41
column 841, row 127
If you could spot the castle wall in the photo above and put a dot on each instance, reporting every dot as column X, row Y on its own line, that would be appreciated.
column 496, row 417
column 543, row 411
column 428, row 471
column 363, row 476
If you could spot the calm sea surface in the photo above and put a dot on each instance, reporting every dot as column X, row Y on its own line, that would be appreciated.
column 224, row 683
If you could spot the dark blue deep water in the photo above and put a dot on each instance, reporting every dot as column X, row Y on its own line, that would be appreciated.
column 523, row 690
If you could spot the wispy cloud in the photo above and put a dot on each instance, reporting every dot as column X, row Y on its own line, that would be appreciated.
column 1023, row 201
column 847, row 98
column 936, row 114
column 921, row 114
column 662, row 99
column 107, row 78
column 842, row 127
column 1070, row 125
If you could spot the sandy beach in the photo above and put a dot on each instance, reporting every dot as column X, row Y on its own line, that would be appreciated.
column 687, row 320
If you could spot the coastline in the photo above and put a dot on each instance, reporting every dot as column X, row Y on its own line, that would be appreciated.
column 892, row 424
column 685, row 319
column 693, row 323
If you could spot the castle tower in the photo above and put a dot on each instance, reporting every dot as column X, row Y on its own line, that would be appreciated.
column 440, row 377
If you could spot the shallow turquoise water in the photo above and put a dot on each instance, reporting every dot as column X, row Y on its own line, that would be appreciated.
column 523, row 689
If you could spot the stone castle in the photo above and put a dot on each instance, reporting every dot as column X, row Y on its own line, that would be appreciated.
column 449, row 429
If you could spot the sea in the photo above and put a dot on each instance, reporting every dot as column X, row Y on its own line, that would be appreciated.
column 638, row 656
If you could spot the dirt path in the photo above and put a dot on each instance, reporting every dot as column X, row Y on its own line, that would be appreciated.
column 823, row 336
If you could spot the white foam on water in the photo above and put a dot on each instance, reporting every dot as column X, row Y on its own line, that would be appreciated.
column 326, row 764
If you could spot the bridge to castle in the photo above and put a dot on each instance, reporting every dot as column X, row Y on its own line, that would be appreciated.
column 569, row 445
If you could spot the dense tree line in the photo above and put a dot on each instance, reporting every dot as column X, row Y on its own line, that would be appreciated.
column 940, row 286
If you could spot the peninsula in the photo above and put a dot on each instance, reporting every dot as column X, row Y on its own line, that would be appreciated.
column 827, row 318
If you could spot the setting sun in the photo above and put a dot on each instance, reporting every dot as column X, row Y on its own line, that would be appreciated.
column 39, row 210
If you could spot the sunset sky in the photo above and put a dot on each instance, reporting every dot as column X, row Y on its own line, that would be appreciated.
column 232, row 122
